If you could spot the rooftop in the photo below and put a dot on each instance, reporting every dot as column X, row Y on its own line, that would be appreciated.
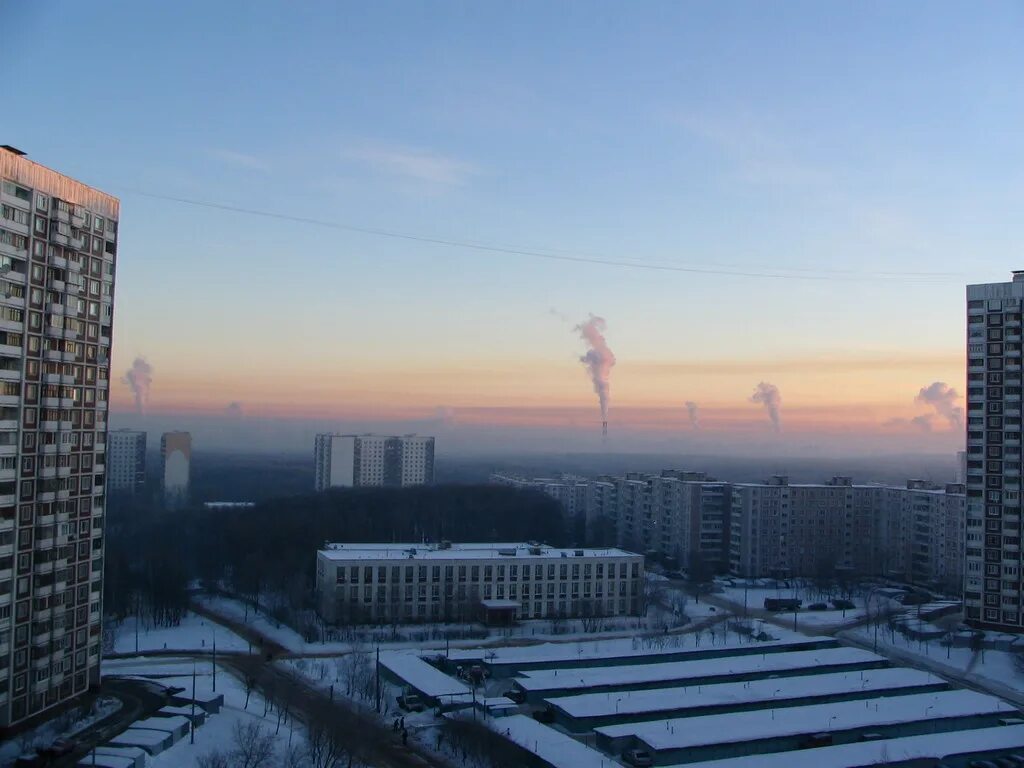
column 689, row 732
column 465, row 551
column 702, row 669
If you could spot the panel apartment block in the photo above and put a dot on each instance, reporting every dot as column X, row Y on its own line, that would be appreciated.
column 348, row 461
column 992, row 586
column 126, row 461
column 58, row 246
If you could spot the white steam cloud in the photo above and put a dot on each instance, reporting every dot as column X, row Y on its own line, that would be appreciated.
column 140, row 378
column 943, row 399
column 598, row 360
column 768, row 395
column 693, row 413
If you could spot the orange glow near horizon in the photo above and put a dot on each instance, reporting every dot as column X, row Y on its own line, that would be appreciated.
column 858, row 394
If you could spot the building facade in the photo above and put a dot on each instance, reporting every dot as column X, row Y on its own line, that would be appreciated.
column 58, row 247
column 176, row 457
column 836, row 529
column 348, row 461
column 992, row 585
column 126, row 461
column 359, row 583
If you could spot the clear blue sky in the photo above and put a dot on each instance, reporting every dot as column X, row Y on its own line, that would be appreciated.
column 827, row 137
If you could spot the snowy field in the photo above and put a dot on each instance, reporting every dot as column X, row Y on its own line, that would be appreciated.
column 805, row 619
column 997, row 671
column 194, row 633
column 218, row 730
column 561, row 630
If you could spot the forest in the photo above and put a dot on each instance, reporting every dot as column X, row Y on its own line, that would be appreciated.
column 266, row 554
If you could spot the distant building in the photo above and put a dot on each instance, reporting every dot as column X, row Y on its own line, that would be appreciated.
column 348, row 461
column 176, row 454
column 913, row 533
column 961, row 467
column 126, row 461
column 360, row 583
column 992, row 588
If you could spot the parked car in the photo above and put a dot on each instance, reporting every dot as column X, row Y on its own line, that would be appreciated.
column 546, row 715
column 817, row 607
column 816, row 740
column 641, row 758
column 410, row 702
column 516, row 694
column 60, row 747
column 843, row 605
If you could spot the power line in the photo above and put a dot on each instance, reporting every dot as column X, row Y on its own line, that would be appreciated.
column 730, row 270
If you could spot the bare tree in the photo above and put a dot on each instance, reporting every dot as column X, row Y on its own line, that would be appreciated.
column 252, row 748
column 214, row 759
column 324, row 746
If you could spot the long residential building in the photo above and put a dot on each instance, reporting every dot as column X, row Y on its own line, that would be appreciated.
column 58, row 244
column 359, row 583
column 992, row 589
column 348, row 461
column 777, row 528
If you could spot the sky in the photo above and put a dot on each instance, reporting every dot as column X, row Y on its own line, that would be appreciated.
column 815, row 183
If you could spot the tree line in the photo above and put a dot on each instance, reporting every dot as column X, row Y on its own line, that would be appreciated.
column 266, row 554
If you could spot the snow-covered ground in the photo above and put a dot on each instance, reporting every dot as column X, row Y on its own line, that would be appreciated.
column 59, row 727
column 998, row 671
column 217, row 733
column 194, row 633
column 805, row 619
column 561, row 630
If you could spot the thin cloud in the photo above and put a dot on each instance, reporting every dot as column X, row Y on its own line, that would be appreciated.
column 757, row 154
column 796, row 365
column 239, row 159
column 411, row 163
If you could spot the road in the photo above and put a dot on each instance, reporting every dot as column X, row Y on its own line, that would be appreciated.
column 139, row 699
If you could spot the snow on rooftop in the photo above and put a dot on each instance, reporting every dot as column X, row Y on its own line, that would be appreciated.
column 768, row 663
column 724, row 694
column 608, row 649
column 689, row 732
column 464, row 551
column 142, row 737
column 417, row 673
column 931, row 746
column 553, row 747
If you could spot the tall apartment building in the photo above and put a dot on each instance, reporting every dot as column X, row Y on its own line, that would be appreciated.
column 58, row 243
column 372, row 460
column 176, row 457
column 992, row 585
column 359, row 583
column 126, row 461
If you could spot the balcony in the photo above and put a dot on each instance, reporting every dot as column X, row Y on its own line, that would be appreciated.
column 58, row 261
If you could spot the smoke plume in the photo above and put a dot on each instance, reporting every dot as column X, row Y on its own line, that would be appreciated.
column 943, row 399
column 140, row 378
column 692, row 412
column 768, row 395
column 598, row 360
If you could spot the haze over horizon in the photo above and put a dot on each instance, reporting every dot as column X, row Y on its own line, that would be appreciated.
column 803, row 197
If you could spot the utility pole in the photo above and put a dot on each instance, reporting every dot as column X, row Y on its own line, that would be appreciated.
column 192, row 719
column 377, row 684
column 214, row 659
